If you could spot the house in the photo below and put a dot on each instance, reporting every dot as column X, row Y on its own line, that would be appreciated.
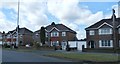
column 59, row 35
column 25, row 37
column 36, row 36
column 104, row 34
column 0, row 38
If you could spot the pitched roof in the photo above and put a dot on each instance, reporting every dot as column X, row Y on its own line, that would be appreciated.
column 60, row 27
column 21, row 30
column 107, row 21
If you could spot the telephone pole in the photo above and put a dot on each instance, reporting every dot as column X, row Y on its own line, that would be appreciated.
column 114, row 31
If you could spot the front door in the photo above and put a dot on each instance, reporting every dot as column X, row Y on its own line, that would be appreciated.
column 92, row 44
column 64, row 45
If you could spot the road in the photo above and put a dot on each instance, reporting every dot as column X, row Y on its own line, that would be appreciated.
column 15, row 56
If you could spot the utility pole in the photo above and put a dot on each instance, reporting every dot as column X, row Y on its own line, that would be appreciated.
column 114, row 31
column 17, row 26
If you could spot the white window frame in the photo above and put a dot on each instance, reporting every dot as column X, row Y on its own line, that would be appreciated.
column 46, row 34
column 105, row 43
column 91, row 32
column 0, row 36
column 63, row 33
column 56, row 43
column 119, row 30
column 119, row 43
column 54, row 34
column 105, row 31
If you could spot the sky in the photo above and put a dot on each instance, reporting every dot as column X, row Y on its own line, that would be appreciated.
column 75, row 14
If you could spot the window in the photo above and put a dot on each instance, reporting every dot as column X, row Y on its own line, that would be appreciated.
column 63, row 33
column 92, row 32
column 105, row 43
column 104, row 31
column 54, row 43
column 54, row 34
column 21, row 36
column 119, row 43
column 0, row 36
column 46, row 34
column 119, row 30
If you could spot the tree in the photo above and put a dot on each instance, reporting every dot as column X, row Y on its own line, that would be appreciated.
column 42, row 35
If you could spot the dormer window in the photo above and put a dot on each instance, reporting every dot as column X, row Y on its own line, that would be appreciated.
column 92, row 32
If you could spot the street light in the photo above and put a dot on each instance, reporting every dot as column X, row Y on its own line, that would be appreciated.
column 18, row 25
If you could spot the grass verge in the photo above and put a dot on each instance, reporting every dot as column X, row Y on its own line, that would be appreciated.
column 87, row 57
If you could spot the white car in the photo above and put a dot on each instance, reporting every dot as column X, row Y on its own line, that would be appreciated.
column 27, row 45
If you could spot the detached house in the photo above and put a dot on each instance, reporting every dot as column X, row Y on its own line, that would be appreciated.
column 0, row 37
column 59, row 35
column 24, row 37
column 104, row 34
column 36, row 36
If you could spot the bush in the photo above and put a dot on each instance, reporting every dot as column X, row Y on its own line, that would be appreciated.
column 6, row 45
column 36, row 45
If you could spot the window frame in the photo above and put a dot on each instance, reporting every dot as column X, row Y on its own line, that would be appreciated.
column 105, row 43
column 63, row 33
column 54, row 34
column 91, row 32
column 105, row 31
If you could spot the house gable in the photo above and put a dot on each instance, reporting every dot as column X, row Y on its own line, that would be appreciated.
column 104, row 25
column 54, row 28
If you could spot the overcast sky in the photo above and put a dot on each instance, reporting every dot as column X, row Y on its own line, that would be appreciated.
column 75, row 14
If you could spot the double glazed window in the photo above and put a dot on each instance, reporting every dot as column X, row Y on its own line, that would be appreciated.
column 63, row 33
column 0, row 36
column 54, row 34
column 105, row 43
column 119, row 30
column 104, row 31
column 92, row 32
column 55, row 43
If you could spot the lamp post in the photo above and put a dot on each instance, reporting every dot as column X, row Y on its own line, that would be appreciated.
column 17, row 26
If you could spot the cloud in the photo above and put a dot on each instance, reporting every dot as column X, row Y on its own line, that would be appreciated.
column 74, row 16
column 33, row 14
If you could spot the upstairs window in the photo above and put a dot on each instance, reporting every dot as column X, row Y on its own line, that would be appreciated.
column 92, row 32
column 54, row 34
column 104, row 31
column 0, row 36
column 46, row 34
column 63, row 33
column 119, row 30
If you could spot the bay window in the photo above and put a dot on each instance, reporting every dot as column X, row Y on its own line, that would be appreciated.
column 105, row 43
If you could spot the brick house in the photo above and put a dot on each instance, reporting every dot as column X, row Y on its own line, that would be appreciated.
column 0, row 37
column 59, row 35
column 25, row 37
column 36, row 36
column 101, row 34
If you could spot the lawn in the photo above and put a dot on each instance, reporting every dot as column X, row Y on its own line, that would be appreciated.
column 87, row 57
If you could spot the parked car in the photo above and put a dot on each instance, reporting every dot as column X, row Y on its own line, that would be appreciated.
column 27, row 46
